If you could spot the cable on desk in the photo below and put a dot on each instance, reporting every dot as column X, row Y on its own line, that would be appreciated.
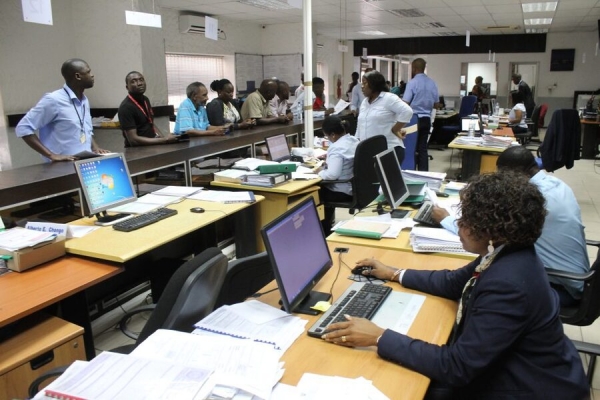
column 336, row 275
column 257, row 295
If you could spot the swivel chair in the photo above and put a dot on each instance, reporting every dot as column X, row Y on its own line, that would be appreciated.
column 467, row 105
column 587, row 310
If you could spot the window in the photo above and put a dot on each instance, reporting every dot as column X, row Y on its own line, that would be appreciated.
column 183, row 69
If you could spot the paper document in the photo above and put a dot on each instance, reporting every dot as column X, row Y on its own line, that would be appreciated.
column 223, row 196
column 313, row 386
column 146, row 203
column 425, row 239
column 340, row 106
column 250, row 164
column 19, row 238
column 179, row 191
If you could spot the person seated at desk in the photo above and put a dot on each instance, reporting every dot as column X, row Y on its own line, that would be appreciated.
column 561, row 245
column 339, row 166
column 223, row 109
column 508, row 340
column 478, row 89
column 517, row 115
column 257, row 107
column 62, row 117
column 382, row 113
column 318, row 98
column 279, row 103
column 191, row 115
column 136, row 115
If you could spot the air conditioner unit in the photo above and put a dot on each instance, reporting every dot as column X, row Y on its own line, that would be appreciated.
column 191, row 24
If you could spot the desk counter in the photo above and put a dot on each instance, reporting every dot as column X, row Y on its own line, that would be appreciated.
column 476, row 159
column 433, row 324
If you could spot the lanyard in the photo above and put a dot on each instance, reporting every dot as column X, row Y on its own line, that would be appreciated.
column 78, row 116
column 147, row 112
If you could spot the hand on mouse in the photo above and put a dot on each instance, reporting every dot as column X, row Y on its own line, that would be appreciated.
column 377, row 268
column 355, row 332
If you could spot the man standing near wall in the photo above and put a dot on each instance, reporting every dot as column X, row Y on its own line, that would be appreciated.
column 421, row 94
column 525, row 90
column 136, row 115
column 62, row 117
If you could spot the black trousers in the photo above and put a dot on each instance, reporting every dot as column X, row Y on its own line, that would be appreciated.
column 421, row 157
column 327, row 195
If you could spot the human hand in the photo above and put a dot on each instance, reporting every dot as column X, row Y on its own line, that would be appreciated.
column 439, row 213
column 329, row 111
column 377, row 268
column 355, row 332
column 61, row 157
column 171, row 138
column 101, row 151
column 282, row 119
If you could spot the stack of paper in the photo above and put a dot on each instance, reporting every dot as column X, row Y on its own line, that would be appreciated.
column 223, row 196
column 313, row 386
column 20, row 238
column 231, row 175
column 178, row 191
column 250, row 164
column 434, row 179
column 256, row 321
column 468, row 140
column 497, row 141
column 434, row 240
column 146, row 203
column 362, row 228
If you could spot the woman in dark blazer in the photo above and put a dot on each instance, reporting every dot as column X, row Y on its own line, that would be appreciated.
column 508, row 341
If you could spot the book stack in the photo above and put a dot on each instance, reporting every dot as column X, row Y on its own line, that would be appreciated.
column 497, row 141
column 267, row 180
column 433, row 179
column 435, row 240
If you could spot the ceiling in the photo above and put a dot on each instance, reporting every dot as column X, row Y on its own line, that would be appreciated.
column 345, row 19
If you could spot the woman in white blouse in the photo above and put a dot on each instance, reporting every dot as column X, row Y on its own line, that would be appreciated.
column 517, row 115
column 382, row 113
column 339, row 166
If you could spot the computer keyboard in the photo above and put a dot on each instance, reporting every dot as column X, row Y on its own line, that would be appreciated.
column 359, row 300
column 142, row 220
column 423, row 216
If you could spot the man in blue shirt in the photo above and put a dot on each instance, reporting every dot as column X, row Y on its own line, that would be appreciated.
column 422, row 94
column 191, row 115
column 62, row 117
column 562, row 243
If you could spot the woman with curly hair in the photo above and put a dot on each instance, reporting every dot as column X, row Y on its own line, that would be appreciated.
column 508, row 341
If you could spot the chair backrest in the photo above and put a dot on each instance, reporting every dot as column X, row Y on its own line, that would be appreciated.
column 543, row 111
column 588, row 309
column 410, row 145
column 365, row 186
column 562, row 143
column 190, row 294
column 245, row 276
column 467, row 105
column 535, row 116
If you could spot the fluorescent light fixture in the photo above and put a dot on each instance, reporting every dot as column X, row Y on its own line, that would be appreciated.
column 143, row 19
column 268, row 4
column 372, row 33
column 549, row 6
column 536, row 30
column 538, row 21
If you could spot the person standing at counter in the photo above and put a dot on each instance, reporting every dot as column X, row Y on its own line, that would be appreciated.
column 136, row 115
column 62, row 117
column 191, row 114
column 257, row 106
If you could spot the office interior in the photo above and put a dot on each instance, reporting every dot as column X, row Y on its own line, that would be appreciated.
column 95, row 30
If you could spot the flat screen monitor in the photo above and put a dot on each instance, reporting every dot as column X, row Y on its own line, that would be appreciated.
column 390, row 177
column 106, row 183
column 299, row 256
column 278, row 147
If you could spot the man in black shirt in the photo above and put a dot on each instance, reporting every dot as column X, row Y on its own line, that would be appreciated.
column 136, row 116
column 525, row 90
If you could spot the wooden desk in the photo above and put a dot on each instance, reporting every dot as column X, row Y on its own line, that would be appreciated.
column 278, row 200
column 433, row 324
column 108, row 244
column 590, row 131
column 476, row 159
column 62, row 280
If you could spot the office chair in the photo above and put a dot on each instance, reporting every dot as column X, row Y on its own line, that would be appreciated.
column 562, row 142
column 467, row 105
column 189, row 296
column 525, row 138
column 588, row 308
column 365, row 183
column 245, row 277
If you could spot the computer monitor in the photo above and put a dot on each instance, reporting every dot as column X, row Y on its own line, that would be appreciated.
column 278, row 147
column 106, row 183
column 467, row 121
column 299, row 256
column 390, row 177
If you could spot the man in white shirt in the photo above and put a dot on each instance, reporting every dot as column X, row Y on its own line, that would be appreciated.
column 279, row 103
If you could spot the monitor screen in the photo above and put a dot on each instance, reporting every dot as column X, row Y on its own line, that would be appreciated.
column 390, row 177
column 278, row 147
column 105, row 182
column 299, row 255
column 467, row 121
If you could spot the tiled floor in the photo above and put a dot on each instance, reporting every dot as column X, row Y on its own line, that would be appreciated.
column 584, row 179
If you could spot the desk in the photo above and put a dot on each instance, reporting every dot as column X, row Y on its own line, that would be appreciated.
column 62, row 280
column 589, row 146
column 433, row 324
column 448, row 118
column 278, row 200
column 476, row 159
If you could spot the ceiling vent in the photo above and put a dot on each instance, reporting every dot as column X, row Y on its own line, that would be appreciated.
column 500, row 28
column 408, row 12
column 191, row 24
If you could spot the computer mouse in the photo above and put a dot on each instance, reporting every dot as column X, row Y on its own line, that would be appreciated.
column 359, row 270
column 197, row 210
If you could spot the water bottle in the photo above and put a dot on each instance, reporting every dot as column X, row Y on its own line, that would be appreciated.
column 497, row 110
column 472, row 129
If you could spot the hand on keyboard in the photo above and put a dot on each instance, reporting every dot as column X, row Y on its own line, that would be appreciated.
column 355, row 332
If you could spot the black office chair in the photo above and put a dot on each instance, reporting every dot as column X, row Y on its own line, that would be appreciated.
column 189, row 296
column 588, row 308
column 245, row 277
column 365, row 184
column 467, row 105
column 525, row 138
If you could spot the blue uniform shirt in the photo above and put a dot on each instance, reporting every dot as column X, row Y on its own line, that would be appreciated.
column 421, row 93
column 188, row 117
